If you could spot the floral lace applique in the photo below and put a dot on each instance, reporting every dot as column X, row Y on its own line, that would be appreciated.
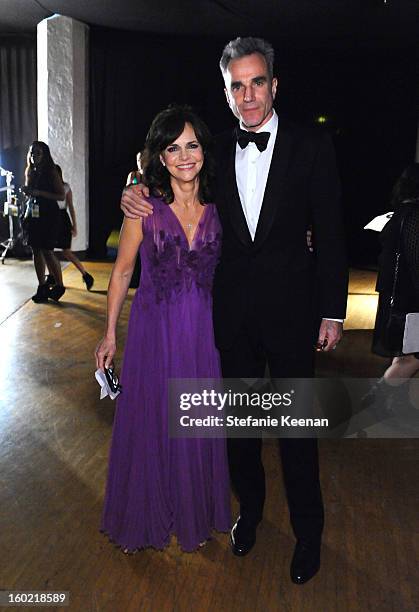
column 174, row 268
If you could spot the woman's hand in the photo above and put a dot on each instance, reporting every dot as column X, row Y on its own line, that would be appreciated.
column 105, row 352
column 74, row 231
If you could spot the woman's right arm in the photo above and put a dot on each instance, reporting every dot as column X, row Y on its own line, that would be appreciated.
column 130, row 239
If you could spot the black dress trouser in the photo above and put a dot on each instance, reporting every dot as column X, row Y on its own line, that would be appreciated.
column 247, row 358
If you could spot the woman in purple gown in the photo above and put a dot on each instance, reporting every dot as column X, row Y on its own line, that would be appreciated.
column 160, row 486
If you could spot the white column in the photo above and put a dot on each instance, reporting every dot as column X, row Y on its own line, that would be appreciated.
column 417, row 146
column 63, row 108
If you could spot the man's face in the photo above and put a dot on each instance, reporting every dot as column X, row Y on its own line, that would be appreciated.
column 249, row 91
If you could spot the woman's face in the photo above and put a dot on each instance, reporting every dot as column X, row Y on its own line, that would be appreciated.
column 184, row 157
column 139, row 162
column 35, row 155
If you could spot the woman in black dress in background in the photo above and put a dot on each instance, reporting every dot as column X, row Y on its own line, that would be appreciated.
column 44, row 186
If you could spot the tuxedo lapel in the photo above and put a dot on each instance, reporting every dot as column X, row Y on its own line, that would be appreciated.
column 238, row 220
column 274, row 184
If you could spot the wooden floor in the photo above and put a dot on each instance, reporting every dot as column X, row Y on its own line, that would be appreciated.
column 54, row 440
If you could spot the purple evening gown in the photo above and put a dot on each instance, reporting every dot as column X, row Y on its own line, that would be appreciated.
column 158, row 486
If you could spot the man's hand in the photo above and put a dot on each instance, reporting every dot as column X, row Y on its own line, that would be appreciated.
column 133, row 202
column 329, row 335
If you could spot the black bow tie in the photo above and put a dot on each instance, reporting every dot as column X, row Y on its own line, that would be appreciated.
column 259, row 138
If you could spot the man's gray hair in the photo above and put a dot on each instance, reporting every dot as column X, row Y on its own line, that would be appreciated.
column 240, row 47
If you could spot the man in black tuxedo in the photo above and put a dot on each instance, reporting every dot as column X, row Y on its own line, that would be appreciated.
column 273, row 298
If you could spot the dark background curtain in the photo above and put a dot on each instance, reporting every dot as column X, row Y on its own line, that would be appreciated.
column 18, row 119
column 133, row 77
column 371, row 99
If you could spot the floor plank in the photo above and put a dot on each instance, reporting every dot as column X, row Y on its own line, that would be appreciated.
column 54, row 441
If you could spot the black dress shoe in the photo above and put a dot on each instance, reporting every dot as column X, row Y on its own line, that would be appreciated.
column 50, row 280
column 305, row 562
column 41, row 295
column 242, row 537
column 88, row 280
column 56, row 292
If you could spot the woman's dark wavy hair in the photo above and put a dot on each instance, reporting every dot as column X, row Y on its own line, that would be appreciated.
column 46, row 167
column 407, row 187
column 167, row 126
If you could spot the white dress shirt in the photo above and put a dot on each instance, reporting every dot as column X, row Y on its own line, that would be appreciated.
column 252, row 169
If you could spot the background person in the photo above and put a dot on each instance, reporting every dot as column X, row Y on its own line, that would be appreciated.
column 134, row 177
column 44, row 186
column 67, row 230
column 393, row 387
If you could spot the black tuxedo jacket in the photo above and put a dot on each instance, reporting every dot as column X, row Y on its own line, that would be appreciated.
column 274, row 283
